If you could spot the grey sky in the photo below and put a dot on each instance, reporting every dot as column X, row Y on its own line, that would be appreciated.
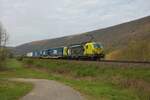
column 29, row 20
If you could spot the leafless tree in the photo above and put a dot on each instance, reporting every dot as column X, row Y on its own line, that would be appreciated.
column 3, row 41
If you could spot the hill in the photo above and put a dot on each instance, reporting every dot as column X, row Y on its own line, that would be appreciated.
column 113, row 38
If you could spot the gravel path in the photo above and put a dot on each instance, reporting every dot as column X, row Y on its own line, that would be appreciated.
column 49, row 90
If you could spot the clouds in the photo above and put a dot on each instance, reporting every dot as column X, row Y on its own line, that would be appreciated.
column 28, row 20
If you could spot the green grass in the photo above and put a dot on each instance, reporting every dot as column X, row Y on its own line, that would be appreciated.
column 13, row 90
column 100, row 81
column 96, row 81
column 15, row 69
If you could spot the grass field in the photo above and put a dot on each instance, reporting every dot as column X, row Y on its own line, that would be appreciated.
column 96, row 81
column 10, row 90
column 135, row 50
column 13, row 90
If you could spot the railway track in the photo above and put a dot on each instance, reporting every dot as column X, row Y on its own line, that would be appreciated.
column 125, row 61
column 107, row 61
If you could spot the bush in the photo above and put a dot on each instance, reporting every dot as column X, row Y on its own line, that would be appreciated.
column 2, row 63
column 20, row 58
column 29, row 61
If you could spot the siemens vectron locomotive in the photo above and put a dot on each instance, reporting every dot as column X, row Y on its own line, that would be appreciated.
column 76, row 51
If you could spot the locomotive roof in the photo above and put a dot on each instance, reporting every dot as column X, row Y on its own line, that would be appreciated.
column 77, row 45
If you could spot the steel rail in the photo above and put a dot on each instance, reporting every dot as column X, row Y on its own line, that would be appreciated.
column 126, row 61
column 107, row 61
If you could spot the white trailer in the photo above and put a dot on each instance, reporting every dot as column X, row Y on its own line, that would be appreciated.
column 30, row 54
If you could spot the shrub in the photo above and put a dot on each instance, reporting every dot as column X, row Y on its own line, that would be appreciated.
column 29, row 61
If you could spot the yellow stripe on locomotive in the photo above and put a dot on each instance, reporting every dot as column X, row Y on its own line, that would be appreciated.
column 65, row 51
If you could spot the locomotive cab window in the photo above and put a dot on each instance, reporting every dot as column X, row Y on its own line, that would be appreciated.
column 87, row 47
column 97, row 46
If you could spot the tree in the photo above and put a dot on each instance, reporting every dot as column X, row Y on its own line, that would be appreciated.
column 3, row 41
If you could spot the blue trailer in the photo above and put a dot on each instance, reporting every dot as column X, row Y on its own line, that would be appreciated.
column 56, row 52
column 35, row 54
column 50, row 53
column 43, row 53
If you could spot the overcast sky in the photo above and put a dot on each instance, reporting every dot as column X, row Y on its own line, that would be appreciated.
column 29, row 20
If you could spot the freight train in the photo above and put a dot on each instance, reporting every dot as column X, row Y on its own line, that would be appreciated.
column 90, row 50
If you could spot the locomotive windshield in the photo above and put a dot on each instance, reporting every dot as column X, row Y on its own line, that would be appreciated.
column 97, row 46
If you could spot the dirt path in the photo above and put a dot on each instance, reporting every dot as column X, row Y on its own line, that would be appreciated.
column 49, row 90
